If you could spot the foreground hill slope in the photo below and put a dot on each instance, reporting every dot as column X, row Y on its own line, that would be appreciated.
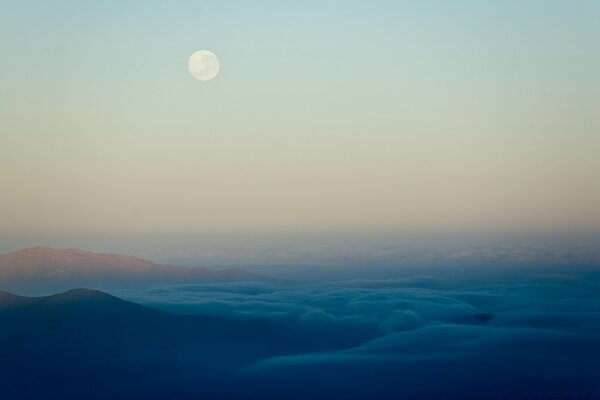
column 88, row 344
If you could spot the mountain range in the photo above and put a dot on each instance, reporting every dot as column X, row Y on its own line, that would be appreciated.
column 75, row 267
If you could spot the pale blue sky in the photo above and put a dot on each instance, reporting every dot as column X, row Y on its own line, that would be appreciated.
column 408, row 115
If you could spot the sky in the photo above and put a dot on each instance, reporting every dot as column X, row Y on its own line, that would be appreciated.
column 325, row 116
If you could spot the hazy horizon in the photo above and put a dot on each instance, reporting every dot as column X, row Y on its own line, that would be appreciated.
column 328, row 254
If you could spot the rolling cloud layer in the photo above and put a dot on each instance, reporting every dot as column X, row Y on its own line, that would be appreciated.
column 530, row 336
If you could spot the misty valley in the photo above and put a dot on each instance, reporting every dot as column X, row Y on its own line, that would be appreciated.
column 218, row 335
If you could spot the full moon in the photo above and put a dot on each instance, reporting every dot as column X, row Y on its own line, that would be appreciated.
column 203, row 65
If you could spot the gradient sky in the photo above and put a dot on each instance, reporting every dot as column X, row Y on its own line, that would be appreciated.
column 326, row 115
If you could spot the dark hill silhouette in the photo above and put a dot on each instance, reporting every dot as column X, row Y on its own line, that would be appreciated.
column 88, row 344
column 103, row 317
column 46, row 267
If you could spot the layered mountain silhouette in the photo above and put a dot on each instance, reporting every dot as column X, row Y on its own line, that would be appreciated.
column 88, row 344
column 76, row 267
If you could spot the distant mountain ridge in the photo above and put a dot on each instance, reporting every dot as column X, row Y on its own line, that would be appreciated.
column 46, row 263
